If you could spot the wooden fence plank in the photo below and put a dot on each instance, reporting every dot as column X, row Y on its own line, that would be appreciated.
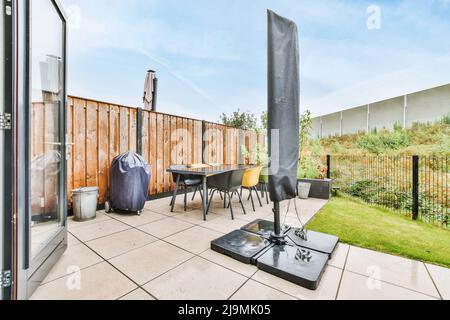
column 146, row 140
column 180, row 140
column 171, row 132
column 219, row 148
column 173, row 141
column 69, row 131
column 199, row 141
column 114, row 140
column 132, row 141
column 220, row 144
column 214, row 144
column 103, row 151
column 185, row 142
column 124, row 129
column 91, row 144
column 153, row 152
column 191, row 149
column 166, row 129
column 79, row 115
column 145, row 136
column 160, row 154
column 195, row 158
column 210, row 143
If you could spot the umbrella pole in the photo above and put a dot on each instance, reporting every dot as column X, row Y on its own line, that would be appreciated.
column 277, row 236
column 277, row 220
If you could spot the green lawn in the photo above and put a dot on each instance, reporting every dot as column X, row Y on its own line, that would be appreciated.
column 370, row 227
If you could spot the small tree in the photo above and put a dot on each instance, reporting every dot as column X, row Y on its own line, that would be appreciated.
column 259, row 153
column 305, row 130
column 310, row 167
column 239, row 120
column 264, row 120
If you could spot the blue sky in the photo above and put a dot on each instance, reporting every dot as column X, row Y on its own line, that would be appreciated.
column 211, row 55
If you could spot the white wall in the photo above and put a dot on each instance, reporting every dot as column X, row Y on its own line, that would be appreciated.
column 429, row 105
column 354, row 120
column 316, row 125
column 385, row 114
column 425, row 106
column 331, row 125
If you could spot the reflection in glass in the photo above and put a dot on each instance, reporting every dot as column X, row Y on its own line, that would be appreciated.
column 46, row 102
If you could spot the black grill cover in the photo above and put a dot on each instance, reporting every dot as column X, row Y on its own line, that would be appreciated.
column 129, row 182
column 283, row 106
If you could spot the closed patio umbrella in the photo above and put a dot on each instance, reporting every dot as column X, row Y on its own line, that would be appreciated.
column 288, row 254
column 150, row 87
column 283, row 110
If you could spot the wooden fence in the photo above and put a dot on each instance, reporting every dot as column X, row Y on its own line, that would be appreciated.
column 100, row 131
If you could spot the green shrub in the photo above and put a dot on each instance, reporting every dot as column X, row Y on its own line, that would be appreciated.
column 384, row 141
column 316, row 148
column 336, row 148
column 375, row 193
column 311, row 168
column 362, row 189
column 398, row 126
column 446, row 119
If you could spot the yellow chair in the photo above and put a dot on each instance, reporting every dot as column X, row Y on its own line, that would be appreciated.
column 250, row 181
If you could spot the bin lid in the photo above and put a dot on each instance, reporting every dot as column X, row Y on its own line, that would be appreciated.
column 85, row 190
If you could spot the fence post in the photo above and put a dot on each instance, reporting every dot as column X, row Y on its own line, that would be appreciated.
column 415, row 187
column 139, row 132
column 203, row 142
column 328, row 166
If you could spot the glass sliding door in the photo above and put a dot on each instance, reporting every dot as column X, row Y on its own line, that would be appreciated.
column 45, row 228
column 33, row 204
column 46, row 125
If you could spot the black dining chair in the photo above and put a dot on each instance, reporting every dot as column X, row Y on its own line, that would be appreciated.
column 229, row 184
column 186, row 182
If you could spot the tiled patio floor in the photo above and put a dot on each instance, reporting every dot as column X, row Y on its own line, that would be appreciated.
column 163, row 255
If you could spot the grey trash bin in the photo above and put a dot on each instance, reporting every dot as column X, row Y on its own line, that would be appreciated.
column 85, row 203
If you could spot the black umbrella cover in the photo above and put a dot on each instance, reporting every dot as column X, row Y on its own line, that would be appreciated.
column 283, row 106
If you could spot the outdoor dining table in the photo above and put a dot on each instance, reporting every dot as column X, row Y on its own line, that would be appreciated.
column 204, row 173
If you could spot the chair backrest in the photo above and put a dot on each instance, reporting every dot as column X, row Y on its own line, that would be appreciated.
column 236, row 178
column 251, row 177
column 228, row 180
column 264, row 177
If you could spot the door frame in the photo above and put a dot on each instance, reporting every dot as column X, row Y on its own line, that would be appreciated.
column 7, row 173
column 28, row 272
